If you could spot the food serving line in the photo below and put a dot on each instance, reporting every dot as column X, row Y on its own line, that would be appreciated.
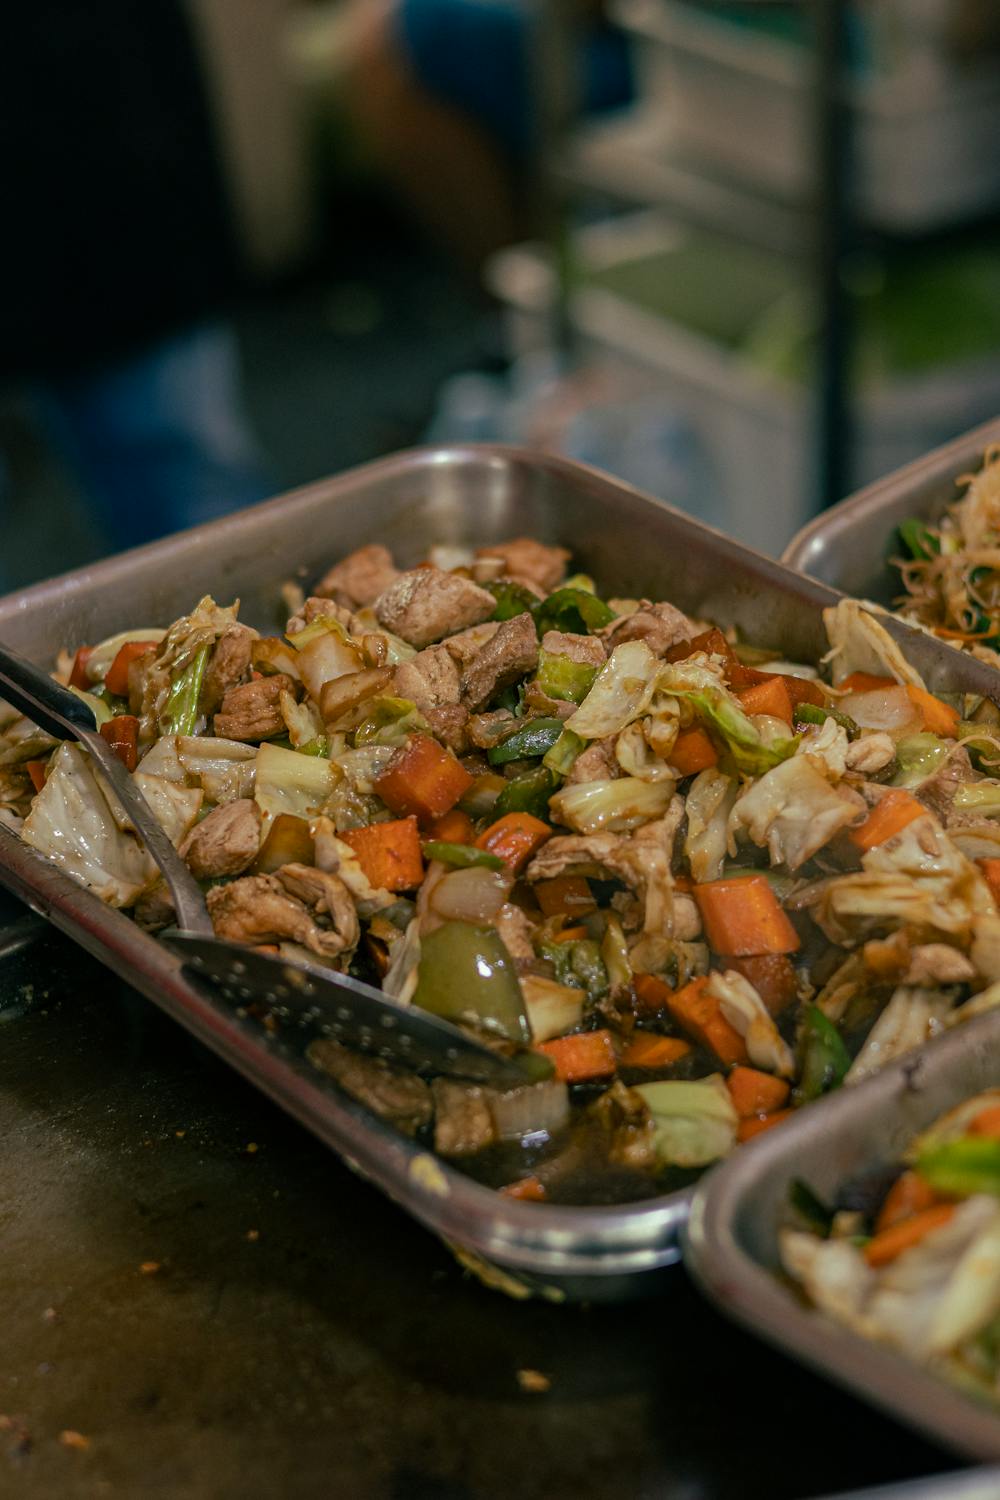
column 362, row 1297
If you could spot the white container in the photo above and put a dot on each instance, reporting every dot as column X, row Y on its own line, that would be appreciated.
column 925, row 136
column 755, row 432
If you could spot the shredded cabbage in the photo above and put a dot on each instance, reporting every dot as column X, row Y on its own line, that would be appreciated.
column 288, row 782
column 695, row 1123
column 621, row 692
column 610, row 806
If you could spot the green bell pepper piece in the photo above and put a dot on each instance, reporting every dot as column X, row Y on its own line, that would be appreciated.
column 533, row 737
column 181, row 710
column 564, row 752
column 319, row 746
column 512, row 599
column 462, row 856
column 562, row 677
column 466, row 974
column 579, row 964
column 960, row 1168
column 811, row 713
column 529, row 793
column 575, row 611
column 825, row 1059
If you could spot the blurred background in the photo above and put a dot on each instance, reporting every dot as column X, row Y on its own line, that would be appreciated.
column 744, row 255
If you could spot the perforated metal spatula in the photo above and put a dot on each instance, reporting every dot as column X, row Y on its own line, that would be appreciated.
column 353, row 1012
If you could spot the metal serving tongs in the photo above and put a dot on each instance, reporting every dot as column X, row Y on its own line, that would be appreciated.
column 353, row 1012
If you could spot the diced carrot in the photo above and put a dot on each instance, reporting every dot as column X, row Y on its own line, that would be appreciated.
column 772, row 975
column 700, row 1015
column 987, row 1122
column 514, row 838
column 770, row 697
column 747, row 1129
column 526, row 1189
column 865, row 682
column 742, row 917
column 693, row 751
column 712, row 642
column 423, row 779
column 909, row 1195
column 756, row 1093
column 588, row 1054
column 939, row 718
column 122, row 734
column 116, row 680
column 683, row 883
column 890, row 815
column 571, row 935
column 36, row 770
column 804, row 690
column 740, row 677
column 648, row 1051
column 456, row 827
column 653, row 993
column 567, row 896
column 903, row 1235
column 78, row 677
column 389, row 853
column 991, row 874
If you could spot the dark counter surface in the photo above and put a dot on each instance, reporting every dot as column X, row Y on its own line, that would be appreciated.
column 198, row 1301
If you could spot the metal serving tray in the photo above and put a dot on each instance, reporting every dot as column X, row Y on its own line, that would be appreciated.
column 732, row 1237
column 634, row 545
column 971, row 1484
column 849, row 545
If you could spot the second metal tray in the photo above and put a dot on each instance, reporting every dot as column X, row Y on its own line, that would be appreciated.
column 633, row 545
column 732, row 1236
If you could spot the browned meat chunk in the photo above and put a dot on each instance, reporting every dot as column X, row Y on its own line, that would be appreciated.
column 463, row 1123
column 659, row 625
column 464, row 646
column 267, row 909
column 515, row 932
column 551, row 708
column 229, row 665
column 394, row 1094
column 224, row 843
column 533, row 561
column 587, row 649
column 430, row 679
column 360, row 577
column 426, row 604
column 505, row 658
column 487, row 730
column 316, row 608
column 449, row 724
column 252, row 712
column 596, row 763
column 624, row 1115
column 938, row 792
column 154, row 909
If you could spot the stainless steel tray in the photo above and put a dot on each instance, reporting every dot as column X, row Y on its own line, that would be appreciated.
column 848, row 546
column 633, row 545
column 731, row 1244
column 972, row 1484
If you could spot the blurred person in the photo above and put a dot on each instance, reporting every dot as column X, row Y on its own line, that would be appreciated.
column 117, row 255
column 444, row 93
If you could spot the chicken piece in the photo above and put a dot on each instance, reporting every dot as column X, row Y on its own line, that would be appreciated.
column 224, row 843
column 252, row 712
column 515, row 931
column 549, row 708
column 506, row 657
column 487, row 730
column 596, row 763
column 448, row 722
column 938, row 791
column 425, row 605
column 625, row 1116
column 266, row 909
column 530, row 561
column 467, row 643
column 871, row 753
column 659, row 625
column 327, row 897
column 934, row 964
column 587, row 649
column 430, row 679
column 463, row 1122
column 394, row 1094
column 317, row 608
column 228, row 666
column 154, row 909
column 359, row 578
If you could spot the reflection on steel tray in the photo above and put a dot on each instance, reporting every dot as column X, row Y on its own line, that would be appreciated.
column 732, row 1237
column 636, row 546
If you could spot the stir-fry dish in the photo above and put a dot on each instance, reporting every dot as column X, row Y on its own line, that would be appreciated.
column 952, row 570
column 910, row 1256
column 705, row 884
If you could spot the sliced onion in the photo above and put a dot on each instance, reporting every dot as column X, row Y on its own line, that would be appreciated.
column 540, row 1108
column 889, row 708
column 327, row 657
column 474, row 895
